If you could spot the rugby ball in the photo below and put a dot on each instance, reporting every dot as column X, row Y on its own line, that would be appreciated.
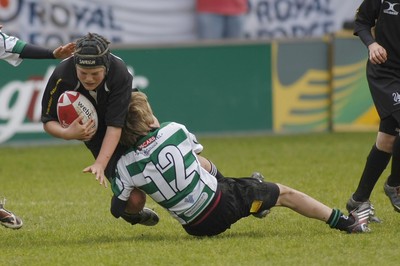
column 71, row 104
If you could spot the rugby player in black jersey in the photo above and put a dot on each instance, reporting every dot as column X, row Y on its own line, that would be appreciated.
column 377, row 24
column 105, row 80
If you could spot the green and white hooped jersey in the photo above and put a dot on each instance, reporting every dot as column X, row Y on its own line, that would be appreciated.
column 10, row 48
column 163, row 164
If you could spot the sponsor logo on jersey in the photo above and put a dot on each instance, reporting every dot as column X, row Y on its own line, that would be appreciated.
column 196, row 206
column 147, row 142
column 396, row 98
column 189, row 199
column 390, row 10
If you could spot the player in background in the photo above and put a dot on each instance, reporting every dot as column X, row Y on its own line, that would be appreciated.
column 163, row 162
column 13, row 51
column 383, row 76
column 105, row 80
column 222, row 19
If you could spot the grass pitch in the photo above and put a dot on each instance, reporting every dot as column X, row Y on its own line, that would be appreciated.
column 67, row 220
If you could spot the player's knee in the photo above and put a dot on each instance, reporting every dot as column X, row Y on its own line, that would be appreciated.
column 384, row 142
column 285, row 195
column 136, row 201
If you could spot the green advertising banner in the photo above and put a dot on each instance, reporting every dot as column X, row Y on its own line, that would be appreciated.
column 321, row 85
column 20, row 95
column 300, row 86
column 353, row 108
column 210, row 88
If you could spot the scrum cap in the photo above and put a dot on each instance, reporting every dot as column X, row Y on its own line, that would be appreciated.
column 92, row 51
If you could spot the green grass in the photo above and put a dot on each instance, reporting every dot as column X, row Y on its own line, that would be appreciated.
column 67, row 219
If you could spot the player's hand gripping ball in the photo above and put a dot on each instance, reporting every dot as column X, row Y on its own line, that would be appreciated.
column 71, row 105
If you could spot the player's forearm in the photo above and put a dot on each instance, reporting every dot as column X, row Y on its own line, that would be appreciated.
column 110, row 142
column 55, row 129
column 31, row 51
column 366, row 37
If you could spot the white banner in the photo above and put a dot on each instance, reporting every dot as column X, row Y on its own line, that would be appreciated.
column 272, row 19
column 53, row 22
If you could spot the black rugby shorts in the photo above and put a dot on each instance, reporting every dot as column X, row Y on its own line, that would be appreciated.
column 237, row 198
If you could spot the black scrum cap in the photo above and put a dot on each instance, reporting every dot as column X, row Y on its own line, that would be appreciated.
column 92, row 51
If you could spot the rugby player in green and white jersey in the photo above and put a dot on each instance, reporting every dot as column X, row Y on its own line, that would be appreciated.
column 164, row 162
column 13, row 51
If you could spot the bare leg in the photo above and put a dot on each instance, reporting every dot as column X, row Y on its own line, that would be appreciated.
column 302, row 204
column 384, row 142
column 136, row 213
column 136, row 201
column 205, row 163
column 307, row 206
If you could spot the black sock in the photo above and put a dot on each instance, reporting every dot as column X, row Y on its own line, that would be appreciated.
column 377, row 161
column 394, row 177
column 132, row 218
column 340, row 221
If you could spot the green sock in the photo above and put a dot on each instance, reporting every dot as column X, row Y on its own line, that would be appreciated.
column 334, row 218
column 339, row 221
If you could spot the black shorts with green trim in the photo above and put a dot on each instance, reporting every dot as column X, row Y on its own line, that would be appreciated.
column 239, row 198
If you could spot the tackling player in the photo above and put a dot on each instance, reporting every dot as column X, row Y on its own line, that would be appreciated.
column 163, row 162
column 13, row 51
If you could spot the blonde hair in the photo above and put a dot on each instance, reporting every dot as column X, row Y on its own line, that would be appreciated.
column 138, row 120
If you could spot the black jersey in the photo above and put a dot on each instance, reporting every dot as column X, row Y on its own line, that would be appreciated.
column 384, row 15
column 111, row 101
